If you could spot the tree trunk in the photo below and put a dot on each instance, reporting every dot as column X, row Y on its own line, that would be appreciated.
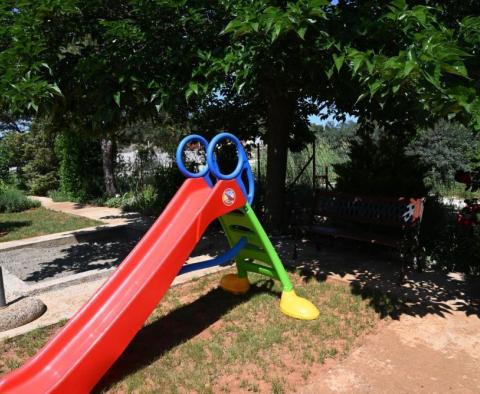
column 108, row 160
column 280, row 113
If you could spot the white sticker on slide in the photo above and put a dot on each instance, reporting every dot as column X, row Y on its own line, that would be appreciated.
column 228, row 197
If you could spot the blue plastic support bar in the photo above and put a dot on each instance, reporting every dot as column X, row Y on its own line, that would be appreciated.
column 219, row 260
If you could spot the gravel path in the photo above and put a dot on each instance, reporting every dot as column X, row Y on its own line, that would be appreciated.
column 37, row 263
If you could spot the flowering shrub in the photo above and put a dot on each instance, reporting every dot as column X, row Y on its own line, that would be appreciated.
column 470, row 215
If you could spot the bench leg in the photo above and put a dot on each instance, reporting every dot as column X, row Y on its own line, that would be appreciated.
column 403, row 270
column 406, row 260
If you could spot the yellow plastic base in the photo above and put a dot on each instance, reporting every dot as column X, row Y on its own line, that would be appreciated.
column 297, row 307
column 234, row 284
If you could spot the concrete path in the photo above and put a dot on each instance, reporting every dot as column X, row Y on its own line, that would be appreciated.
column 64, row 303
column 104, row 214
column 110, row 217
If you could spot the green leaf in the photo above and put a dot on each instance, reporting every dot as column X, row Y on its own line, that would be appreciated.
column 374, row 86
column 33, row 105
column 400, row 4
column 116, row 97
column 329, row 72
column 56, row 89
column 194, row 87
column 231, row 26
column 301, row 32
column 276, row 31
column 458, row 69
column 338, row 61
column 357, row 62
column 408, row 67
column 361, row 97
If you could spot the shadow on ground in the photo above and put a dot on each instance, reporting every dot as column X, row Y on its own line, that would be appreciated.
column 373, row 272
column 7, row 226
column 83, row 257
column 106, row 250
column 178, row 326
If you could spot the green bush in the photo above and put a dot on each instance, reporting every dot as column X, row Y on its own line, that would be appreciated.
column 145, row 202
column 13, row 200
column 41, row 184
column 166, row 181
column 150, row 189
column 4, row 166
column 61, row 196
column 114, row 202
column 81, row 176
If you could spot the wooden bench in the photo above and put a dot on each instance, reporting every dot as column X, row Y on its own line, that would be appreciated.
column 393, row 222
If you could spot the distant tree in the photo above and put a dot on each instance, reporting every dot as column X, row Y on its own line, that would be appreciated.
column 12, row 155
column 337, row 136
column 444, row 149
column 378, row 165
column 40, row 165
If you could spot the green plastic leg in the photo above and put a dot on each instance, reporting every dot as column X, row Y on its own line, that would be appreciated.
column 246, row 224
column 259, row 256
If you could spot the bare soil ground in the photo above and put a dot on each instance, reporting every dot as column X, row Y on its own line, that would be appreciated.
column 432, row 341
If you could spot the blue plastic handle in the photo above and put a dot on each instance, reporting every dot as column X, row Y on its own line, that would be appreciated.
column 242, row 166
column 212, row 161
column 179, row 156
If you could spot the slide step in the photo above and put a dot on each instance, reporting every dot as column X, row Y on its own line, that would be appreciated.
column 239, row 220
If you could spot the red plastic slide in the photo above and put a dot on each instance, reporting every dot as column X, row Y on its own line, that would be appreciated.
column 79, row 355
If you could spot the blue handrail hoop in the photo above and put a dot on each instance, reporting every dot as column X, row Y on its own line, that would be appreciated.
column 179, row 156
column 242, row 168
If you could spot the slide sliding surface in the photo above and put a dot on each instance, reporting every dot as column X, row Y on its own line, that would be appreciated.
column 79, row 355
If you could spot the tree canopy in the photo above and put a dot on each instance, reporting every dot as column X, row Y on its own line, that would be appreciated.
column 260, row 67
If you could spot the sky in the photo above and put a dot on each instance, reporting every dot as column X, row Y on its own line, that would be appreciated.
column 315, row 119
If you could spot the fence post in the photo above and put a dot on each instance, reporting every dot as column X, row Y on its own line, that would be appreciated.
column 314, row 163
column 3, row 301
column 258, row 161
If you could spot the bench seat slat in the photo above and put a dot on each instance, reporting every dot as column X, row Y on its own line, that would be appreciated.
column 374, row 238
column 392, row 212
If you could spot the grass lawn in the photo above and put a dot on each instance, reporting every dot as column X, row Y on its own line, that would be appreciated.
column 201, row 339
column 39, row 221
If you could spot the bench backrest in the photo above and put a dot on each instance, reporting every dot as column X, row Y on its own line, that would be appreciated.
column 394, row 212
